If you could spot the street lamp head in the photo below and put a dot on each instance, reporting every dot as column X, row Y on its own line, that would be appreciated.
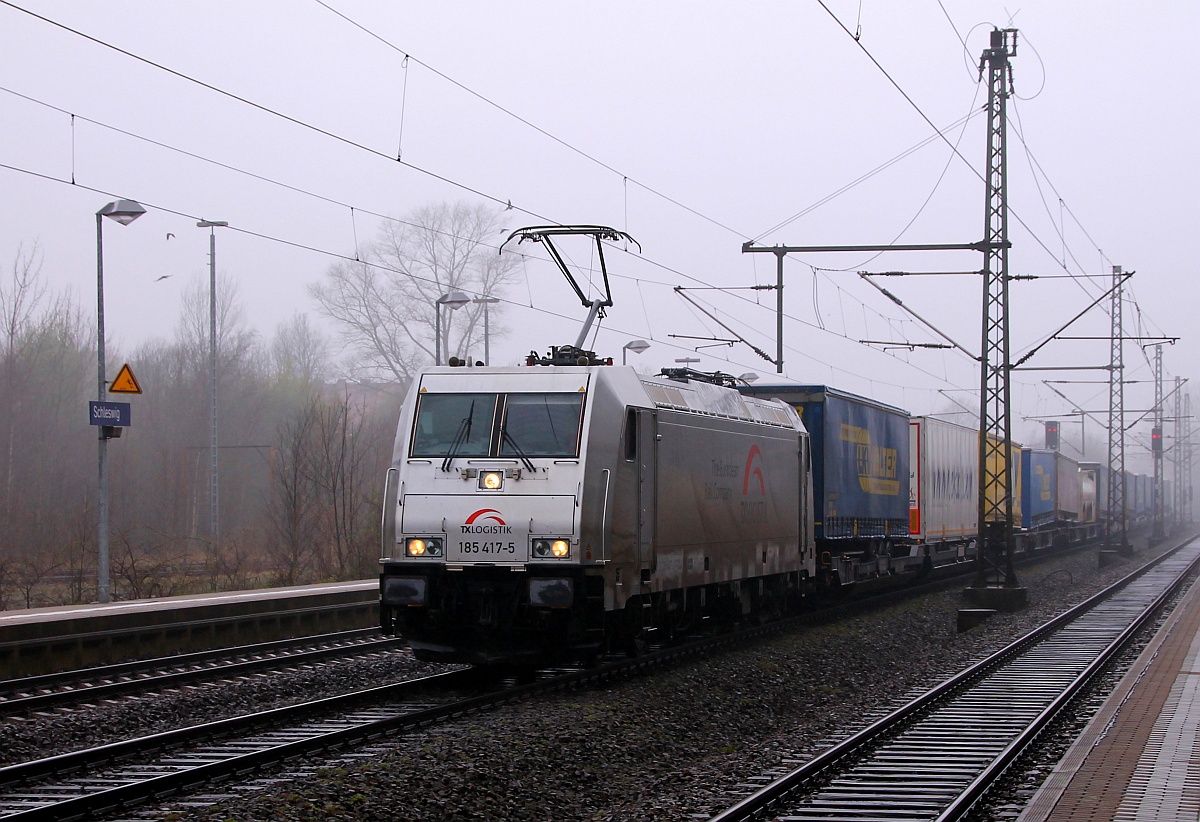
column 123, row 211
column 748, row 377
column 211, row 224
column 636, row 346
column 455, row 300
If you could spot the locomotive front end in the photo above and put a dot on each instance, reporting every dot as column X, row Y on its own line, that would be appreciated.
column 483, row 557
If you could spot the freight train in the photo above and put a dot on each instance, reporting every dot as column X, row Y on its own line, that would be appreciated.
column 567, row 508
column 535, row 512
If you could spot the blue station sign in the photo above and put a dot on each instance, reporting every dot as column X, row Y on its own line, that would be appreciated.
column 109, row 413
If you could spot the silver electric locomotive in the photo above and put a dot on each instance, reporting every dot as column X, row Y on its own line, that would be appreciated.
column 543, row 512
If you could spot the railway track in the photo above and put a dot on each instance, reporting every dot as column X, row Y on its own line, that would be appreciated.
column 50, row 691
column 122, row 775
column 91, row 782
column 939, row 754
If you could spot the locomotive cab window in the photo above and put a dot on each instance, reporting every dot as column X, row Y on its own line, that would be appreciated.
column 465, row 425
column 458, row 423
column 541, row 425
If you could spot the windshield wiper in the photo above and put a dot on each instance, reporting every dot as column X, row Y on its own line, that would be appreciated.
column 464, row 431
column 520, row 453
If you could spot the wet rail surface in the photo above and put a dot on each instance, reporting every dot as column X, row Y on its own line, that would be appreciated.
column 123, row 774
column 47, row 691
column 937, row 756
column 113, row 778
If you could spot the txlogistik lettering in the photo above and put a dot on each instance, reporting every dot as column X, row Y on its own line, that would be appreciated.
column 486, row 529
column 720, row 468
column 713, row 490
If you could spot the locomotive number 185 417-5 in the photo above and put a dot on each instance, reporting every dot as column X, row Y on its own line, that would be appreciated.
column 487, row 547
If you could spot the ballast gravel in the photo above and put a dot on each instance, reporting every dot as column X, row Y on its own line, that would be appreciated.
column 63, row 731
column 676, row 744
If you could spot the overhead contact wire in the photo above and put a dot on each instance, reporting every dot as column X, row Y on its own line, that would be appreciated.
column 274, row 113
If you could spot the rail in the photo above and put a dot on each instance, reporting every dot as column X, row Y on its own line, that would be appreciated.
column 953, row 742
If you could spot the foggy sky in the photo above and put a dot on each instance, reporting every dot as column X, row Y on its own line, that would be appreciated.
column 693, row 126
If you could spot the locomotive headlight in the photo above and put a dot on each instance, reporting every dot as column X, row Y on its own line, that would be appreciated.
column 423, row 547
column 551, row 548
column 491, row 480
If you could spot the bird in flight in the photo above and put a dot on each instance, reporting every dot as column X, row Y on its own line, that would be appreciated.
column 163, row 277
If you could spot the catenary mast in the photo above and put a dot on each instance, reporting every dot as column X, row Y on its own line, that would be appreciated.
column 994, row 565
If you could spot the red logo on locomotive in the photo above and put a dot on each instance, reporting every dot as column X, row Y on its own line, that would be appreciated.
column 487, row 514
column 753, row 470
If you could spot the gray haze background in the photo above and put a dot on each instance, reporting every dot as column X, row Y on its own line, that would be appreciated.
column 693, row 126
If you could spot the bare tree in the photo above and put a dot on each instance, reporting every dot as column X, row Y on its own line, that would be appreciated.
column 292, row 506
column 385, row 305
column 300, row 354
column 33, row 573
column 338, row 474
column 19, row 299
column 44, row 367
column 301, row 461
column 236, row 341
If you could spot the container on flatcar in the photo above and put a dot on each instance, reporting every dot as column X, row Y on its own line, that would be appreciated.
column 1014, row 463
column 943, row 488
column 1069, row 499
column 1135, row 495
column 1050, row 488
column 1099, row 475
column 1039, row 481
column 1087, row 492
column 860, row 464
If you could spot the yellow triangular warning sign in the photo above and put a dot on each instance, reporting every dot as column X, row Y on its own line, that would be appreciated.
column 125, row 383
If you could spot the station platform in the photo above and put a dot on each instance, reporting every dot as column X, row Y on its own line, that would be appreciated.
column 1139, row 757
column 45, row 640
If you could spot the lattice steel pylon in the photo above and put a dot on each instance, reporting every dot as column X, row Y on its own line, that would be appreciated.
column 1158, row 529
column 1177, row 458
column 1115, row 534
column 994, row 561
column 1185, row 456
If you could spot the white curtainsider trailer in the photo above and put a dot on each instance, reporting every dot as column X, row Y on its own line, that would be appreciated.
column 943, row 497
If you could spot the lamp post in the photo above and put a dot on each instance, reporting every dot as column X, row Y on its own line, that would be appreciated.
column 636, row 346
column 486, row 300
column 123, row 212
column 214, row 530
column 454, row 299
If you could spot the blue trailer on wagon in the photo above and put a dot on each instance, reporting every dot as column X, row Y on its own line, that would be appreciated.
column 860, row 464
